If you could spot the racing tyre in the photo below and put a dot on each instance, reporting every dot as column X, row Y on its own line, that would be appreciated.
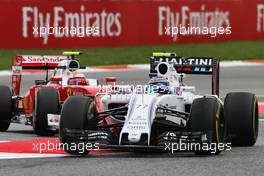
column 78, row 114
column 5, row 107
column 207, row 116
column 46, row 102
column 241, row 114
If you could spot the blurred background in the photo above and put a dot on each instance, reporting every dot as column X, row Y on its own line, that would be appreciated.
column 114, row 32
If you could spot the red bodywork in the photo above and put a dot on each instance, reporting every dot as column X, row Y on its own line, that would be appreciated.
column 75, row 86
column 64, row 92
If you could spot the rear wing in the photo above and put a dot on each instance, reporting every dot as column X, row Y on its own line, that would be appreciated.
column 37, row 62
column 32, row 62
column 190, row 65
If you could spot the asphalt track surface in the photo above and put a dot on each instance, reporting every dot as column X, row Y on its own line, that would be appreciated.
column 238, row 161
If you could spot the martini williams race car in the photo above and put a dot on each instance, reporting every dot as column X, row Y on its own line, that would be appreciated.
column 163, row 112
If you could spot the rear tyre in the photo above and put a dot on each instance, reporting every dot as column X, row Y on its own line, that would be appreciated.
column 78, row 113
column 207, row 116
column 5, row 107
column 46, row 102
column 241, row 113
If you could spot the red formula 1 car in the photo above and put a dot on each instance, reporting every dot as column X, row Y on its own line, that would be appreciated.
column 46, row 96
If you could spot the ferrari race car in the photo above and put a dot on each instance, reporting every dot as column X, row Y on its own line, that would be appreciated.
column 46, row 96
column 163, row 114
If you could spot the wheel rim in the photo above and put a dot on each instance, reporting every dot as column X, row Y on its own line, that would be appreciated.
column 220, row 124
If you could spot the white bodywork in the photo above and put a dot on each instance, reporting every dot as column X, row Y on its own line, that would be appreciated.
column 143, row 104
column 142, row 112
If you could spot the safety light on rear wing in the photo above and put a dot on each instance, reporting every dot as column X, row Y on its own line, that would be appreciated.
column 72, row 53
column 160, row 54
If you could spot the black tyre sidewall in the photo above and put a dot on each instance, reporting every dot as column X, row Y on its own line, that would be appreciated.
column 46, row 102
column 78, row 113
column 206, row 115
column 241, row 113
column 5, row 107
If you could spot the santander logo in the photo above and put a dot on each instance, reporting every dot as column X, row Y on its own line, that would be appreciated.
column 39, row 59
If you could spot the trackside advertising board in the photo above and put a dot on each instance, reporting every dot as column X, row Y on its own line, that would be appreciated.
column 82, row 24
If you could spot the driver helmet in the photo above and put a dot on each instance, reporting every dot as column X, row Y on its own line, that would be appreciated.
column 78, row 79
column 161, row 84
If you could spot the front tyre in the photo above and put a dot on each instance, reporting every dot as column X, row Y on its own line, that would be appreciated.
column 241, row 113
column 78, row 114
column 46, row 102
column 207, row 117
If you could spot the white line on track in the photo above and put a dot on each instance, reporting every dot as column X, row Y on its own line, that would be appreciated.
column 28, row 155
column 239, row 64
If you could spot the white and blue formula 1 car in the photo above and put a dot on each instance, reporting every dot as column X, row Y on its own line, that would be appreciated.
column 164, row 113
